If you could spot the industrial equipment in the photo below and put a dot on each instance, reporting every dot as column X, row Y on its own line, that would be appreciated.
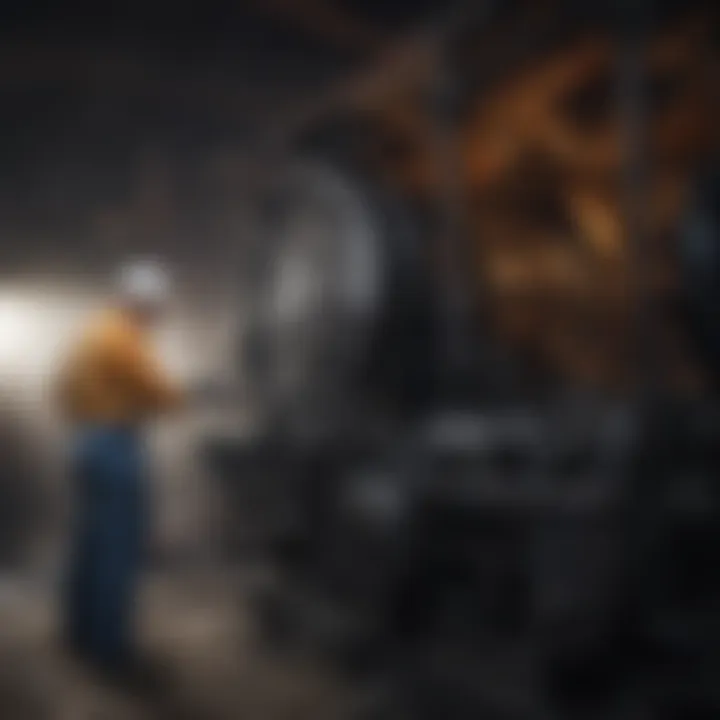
column 472, row 515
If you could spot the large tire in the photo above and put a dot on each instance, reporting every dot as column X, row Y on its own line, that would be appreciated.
column 345, row 310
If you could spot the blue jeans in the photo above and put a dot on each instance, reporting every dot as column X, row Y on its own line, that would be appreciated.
column 108, row 545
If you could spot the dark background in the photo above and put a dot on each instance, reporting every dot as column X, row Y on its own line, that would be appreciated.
column 137, row 109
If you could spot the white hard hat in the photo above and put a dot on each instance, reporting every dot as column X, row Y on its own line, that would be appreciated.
column 143, row 283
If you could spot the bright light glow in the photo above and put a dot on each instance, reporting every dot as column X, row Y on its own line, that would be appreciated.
column 34, row 326
column 17, row 331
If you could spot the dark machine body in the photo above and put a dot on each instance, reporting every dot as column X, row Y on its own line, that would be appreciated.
column 502, row 558
column 461, row 537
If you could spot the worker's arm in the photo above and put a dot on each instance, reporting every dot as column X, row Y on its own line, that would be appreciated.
column 133, row 363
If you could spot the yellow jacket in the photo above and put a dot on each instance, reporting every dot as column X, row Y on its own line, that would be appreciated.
column 112, row 376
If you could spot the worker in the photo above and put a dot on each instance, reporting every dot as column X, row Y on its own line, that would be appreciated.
column 109, row 388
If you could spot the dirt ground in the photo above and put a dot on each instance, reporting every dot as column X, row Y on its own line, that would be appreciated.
column 193, row 627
